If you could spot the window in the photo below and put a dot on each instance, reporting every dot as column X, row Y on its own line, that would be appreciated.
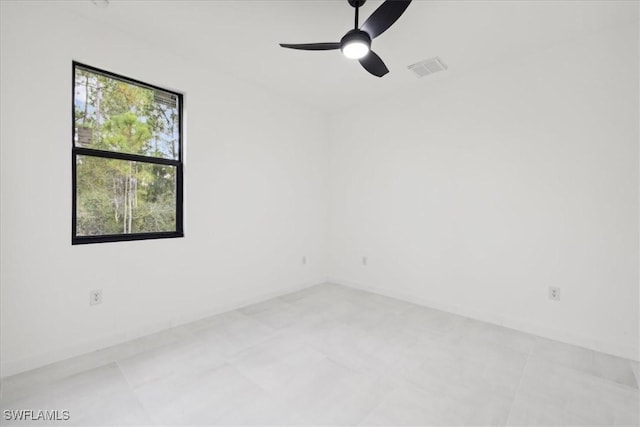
column 127, row 159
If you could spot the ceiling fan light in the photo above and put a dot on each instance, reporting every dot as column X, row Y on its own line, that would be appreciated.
column 355, row 44
column 355, row 50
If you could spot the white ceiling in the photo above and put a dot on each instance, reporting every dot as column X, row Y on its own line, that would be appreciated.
column 241, row 37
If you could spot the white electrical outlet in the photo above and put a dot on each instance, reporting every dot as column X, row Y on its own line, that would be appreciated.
column 554, row 293
column 304, row 259
column 95, row 297
column 364, row 260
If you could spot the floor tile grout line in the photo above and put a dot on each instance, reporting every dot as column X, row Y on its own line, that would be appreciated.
column 587, row 373
column 126, row 379
column 267, row 392
column 515, row 395
column 380, row 401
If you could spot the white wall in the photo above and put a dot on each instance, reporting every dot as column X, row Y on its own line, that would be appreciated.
column 477, row 193
column 255, row 196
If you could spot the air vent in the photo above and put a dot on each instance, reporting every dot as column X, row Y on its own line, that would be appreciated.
column 428, row 66
column 168, row 99
column 101, row 3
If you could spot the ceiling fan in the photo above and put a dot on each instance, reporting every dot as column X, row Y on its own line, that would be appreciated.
column 356, row 44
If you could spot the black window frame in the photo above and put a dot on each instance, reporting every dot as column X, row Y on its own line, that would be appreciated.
column 83, row 151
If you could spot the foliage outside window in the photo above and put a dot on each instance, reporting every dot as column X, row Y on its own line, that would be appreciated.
column 127, row 158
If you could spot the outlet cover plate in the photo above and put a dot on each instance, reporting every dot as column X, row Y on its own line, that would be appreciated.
column 95, row 297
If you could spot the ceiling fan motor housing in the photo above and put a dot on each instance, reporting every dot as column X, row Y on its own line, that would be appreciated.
column 355, row 36
column 357, row 3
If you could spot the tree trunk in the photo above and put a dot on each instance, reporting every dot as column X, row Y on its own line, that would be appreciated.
column 115, row 200
column 130, row 196
column 124, row 206
column 86, row 100
column 98, row 99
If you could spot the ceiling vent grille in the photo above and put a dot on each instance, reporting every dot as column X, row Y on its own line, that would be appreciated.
column 428, row 66
column 101, row 3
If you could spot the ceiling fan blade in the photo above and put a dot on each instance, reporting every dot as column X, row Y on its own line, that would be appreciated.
column 312, row 46
column 373, row 64
column 384, row 17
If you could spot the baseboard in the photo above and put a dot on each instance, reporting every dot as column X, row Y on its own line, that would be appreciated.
column 183, row 320
column 14, row 367
column 627, row 352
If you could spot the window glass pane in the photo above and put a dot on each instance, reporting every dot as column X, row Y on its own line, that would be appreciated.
column 116, row 115
column 122, row 197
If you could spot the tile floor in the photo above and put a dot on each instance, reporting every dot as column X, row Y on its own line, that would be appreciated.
column 332, row 355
